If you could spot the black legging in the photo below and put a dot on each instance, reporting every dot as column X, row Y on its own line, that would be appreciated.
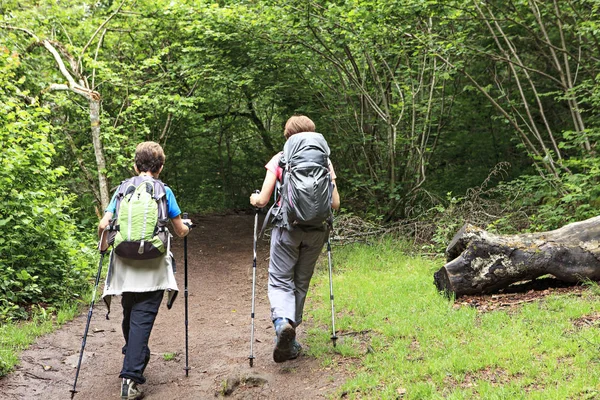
column 139, row 314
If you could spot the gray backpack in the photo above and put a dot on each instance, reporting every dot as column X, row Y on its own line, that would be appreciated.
column 306, row 186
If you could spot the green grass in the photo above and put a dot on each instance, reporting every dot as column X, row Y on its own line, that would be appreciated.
column 17, row 336
column 404, row 340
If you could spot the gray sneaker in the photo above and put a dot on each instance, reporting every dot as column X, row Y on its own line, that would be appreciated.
column 286, row 335
column 130, row 390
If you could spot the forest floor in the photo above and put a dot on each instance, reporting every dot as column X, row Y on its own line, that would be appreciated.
column 220, row 291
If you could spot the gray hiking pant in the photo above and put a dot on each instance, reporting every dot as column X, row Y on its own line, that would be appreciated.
column 294, row 254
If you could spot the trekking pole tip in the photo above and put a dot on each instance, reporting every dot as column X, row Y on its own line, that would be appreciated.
column 73, row 391
column 251, row 359
column 334, row 339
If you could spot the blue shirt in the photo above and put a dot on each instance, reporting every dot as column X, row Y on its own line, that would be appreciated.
column 173, row 209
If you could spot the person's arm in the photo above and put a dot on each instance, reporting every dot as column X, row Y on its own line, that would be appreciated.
column 180, row 227
column 101, row 227
column 262, row 199
column 335, row 197
column 109, row 212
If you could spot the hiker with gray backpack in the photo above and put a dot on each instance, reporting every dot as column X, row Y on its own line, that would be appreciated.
column 141, row 266
column 301, row 217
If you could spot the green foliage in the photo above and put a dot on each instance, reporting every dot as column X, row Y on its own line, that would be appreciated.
column 411, row 95
column 416, row 98
column 41, row 259
column 529, row 203
column 552, row 203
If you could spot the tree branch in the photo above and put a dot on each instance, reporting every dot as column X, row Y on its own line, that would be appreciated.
column 98, row 30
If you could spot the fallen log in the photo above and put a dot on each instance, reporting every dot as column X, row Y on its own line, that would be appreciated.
column 479, row 262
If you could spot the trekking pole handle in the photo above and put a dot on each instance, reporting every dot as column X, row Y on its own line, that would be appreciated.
column 188, row 224
column 256, row 209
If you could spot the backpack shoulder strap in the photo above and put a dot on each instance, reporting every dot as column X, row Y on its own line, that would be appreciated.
column 123, row 185
column 275, row 209
column 160, row 189
column 120, row 194
column 282, row 159
column 113, row 226
column 160, row 195
column 267, row 220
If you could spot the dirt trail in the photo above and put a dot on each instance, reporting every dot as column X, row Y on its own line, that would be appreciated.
column 220, row 280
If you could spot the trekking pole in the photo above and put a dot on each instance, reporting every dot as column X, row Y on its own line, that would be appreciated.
column 251, row 356
column 185, row 295
column 333, row 336
column 89, row 318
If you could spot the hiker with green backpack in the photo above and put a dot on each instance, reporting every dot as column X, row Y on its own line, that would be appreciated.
column 301, row 218
column 141, row 266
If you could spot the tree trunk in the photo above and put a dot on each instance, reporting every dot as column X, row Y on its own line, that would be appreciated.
column 99, row 152
column 480, row 262
column 82, row 88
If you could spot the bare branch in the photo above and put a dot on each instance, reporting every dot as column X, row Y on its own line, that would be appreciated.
column 56, row 87
column 166, row 127
column 98, row 30
column 86, row 172
column 27, row 31
column 96, row 57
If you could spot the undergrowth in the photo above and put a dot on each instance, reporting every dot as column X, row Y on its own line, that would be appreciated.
column 17, row 336
column 401, row 339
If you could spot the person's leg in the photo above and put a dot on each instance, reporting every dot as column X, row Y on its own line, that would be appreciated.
column 142, row 316
column 284, row 255
column 310, row 249
column 127, row 301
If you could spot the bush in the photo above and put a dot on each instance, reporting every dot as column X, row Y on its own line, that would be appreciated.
column 41, row 260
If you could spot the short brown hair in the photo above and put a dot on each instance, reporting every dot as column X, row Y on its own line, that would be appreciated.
column 149, row 157
column 297, row 124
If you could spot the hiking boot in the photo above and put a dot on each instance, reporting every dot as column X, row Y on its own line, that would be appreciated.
column 296, row 350
column 130, row 390
column 286, row 335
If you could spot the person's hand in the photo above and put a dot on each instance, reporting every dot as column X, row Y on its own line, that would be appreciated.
column 102, row 246
column 185, row 220
column 254, row 198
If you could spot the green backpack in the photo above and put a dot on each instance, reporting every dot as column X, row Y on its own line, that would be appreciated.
column 138, row 230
